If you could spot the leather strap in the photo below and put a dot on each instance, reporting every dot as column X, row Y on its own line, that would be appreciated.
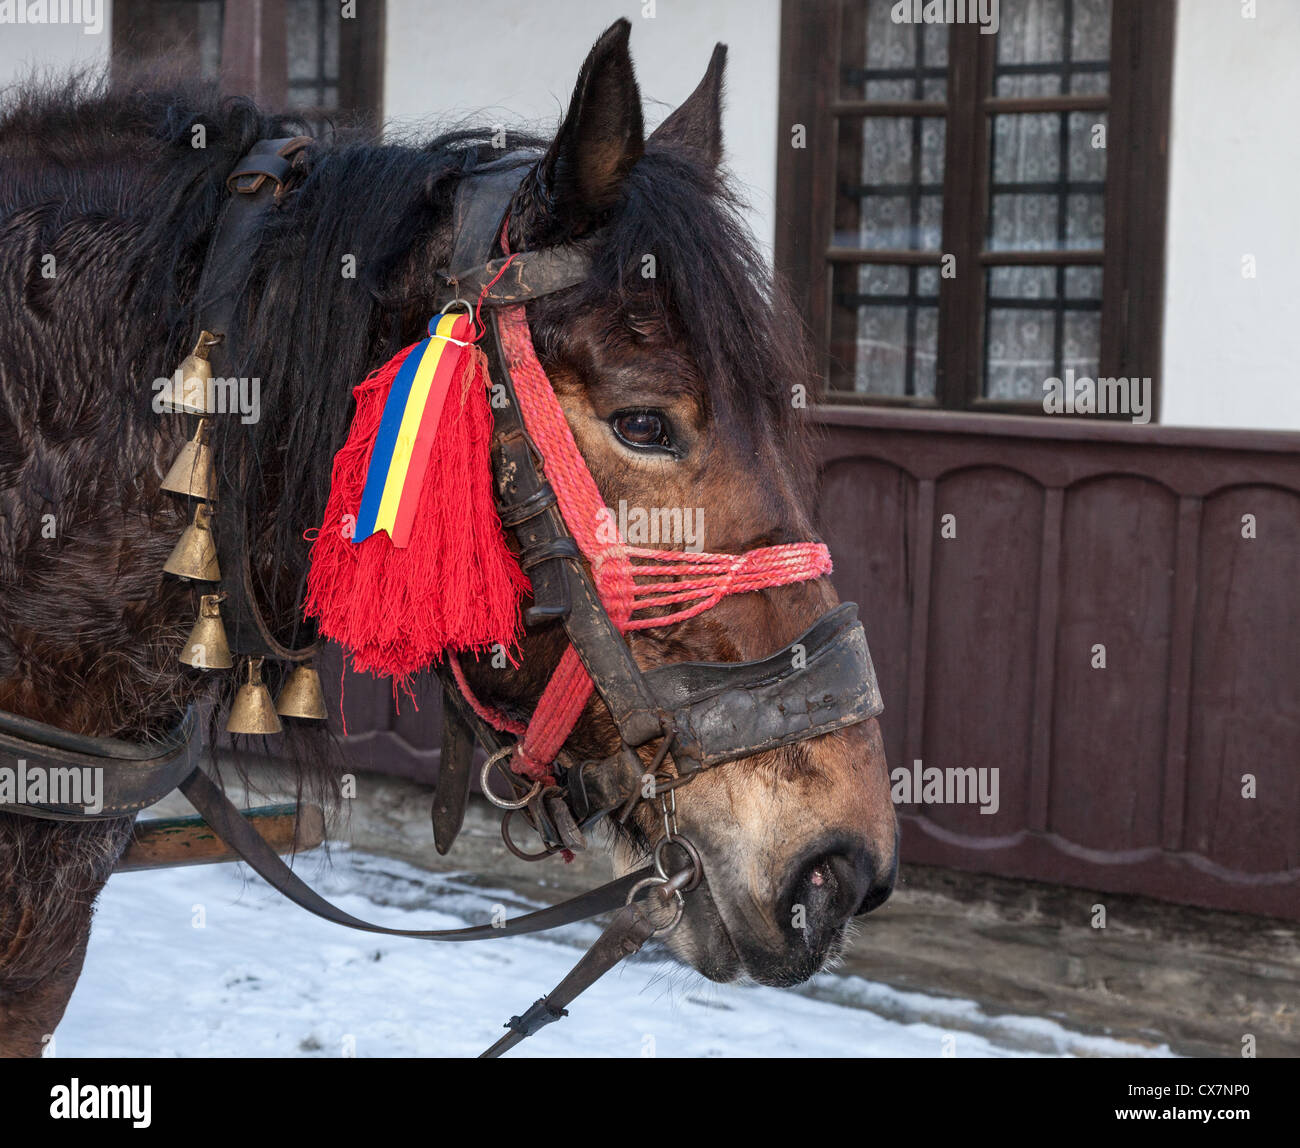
column 623, row 936
column 727, row 710
column 562, row 588
column 268, row 160
column 256, row 185
column 229, row 824
column 131, row 776
column 455, row 772
column 534, row 556
column 722, row 711
column 529, row 275
column 246, row 628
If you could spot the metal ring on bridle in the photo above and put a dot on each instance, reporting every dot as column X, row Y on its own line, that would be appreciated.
column 647, row 882
column 692, row 855
column 547, row 850
column 504, row 802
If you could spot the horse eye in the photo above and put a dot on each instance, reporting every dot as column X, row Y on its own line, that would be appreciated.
column 642, row 429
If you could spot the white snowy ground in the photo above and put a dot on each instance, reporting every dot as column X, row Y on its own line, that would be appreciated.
column 262, row 977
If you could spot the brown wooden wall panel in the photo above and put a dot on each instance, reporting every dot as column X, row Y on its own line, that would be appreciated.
column 383, row 735
column 1127, row 779
column 980, row 656
column 1245, row 700
column 874, row 556
column 1108, row 724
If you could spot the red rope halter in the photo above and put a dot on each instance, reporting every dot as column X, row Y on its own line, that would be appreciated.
column 696, row 582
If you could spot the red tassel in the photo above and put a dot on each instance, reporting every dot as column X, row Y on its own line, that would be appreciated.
column 455, row 586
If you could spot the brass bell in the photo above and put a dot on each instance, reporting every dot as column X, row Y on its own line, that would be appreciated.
column 207, row 648
column 192, row 473
column 252, row 710
column 301, row 695
column 187, row 389
column 195, row 554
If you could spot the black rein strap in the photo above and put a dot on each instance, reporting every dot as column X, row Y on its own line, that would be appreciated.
column 229, row 824
column 623, row 936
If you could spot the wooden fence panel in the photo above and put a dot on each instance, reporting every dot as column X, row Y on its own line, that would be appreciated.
column 1071, row 537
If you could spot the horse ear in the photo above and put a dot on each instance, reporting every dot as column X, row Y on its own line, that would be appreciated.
column 698, row 122
column 602, row 135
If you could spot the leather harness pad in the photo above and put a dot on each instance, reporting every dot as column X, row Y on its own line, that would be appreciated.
column 526, row 276
column 724, row 711
column 728, row 710
column 133, row 777
column 256, row 186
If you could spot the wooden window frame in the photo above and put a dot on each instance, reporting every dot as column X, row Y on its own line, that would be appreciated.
column 254, row 49
column 1133, row 254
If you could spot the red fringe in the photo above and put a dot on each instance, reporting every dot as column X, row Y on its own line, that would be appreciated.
column 456, row 586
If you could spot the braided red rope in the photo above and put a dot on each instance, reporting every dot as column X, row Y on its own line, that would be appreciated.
column 494, row 717
column 717, row 575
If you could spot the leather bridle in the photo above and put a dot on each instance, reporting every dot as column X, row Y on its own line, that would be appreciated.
column 693, row 716
column 700, row 714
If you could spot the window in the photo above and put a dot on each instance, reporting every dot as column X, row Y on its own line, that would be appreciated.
column 972, row 214
column 313, row 51
column 289, row 54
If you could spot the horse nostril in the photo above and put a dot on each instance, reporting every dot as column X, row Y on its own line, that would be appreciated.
column 878, row 891
column 829, row 888
column 835, row 884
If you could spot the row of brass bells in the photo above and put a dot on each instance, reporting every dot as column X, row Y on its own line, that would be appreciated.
column 207, row 649
column 253, row 711
column 192, row 474
column 195, row 557
column 187, row 390
column 195, row 554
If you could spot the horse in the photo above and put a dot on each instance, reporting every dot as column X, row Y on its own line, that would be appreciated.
column 678, row 385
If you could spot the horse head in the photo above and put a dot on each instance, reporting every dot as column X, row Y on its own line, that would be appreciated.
column 681, row 373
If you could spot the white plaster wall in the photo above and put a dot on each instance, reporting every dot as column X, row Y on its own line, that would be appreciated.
column 54, row 48
column 1232, row 345
column 528, row 74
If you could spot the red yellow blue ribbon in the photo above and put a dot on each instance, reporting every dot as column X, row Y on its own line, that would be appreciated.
column 412, row 411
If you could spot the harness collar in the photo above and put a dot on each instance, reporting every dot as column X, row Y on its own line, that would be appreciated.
column 131, row 776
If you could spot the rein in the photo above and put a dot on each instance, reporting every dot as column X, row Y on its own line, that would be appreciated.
column 673, row 721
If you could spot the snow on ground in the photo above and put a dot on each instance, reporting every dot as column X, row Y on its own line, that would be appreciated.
column 261, row 977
